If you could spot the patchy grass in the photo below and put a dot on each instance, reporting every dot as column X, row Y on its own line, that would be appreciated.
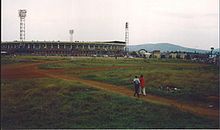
column 50, row 66
column 52, row 103
column 89, row 62
column 13, row 60
column 196, row 81
column 9, row 59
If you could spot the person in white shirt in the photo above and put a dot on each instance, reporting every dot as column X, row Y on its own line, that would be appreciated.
column 136, row 86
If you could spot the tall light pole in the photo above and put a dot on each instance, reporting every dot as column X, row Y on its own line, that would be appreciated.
column 126, row 38
column 71, row 35
column 22, row 15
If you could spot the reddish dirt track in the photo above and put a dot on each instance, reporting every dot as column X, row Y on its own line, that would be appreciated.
column 25, row 70
column 30, row 70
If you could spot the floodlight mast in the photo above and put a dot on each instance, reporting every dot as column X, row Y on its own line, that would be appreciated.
column 126, row 38
column 22, row 15
column 71, row 35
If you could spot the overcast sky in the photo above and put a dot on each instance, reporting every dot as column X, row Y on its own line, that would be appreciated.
column 189, row 23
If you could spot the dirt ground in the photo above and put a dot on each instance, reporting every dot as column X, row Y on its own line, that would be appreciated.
column 31, row 70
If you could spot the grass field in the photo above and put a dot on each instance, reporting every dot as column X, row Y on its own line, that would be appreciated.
column 195, row 81
column 55, row 103
column 51, row 103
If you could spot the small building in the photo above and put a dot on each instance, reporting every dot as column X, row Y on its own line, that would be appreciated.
column 147, row 55
column 181, row 55
column 144, row 53
column 156, row 54
column 198, row 56
column 165, row 55
column 173, row 55
column 178, row 55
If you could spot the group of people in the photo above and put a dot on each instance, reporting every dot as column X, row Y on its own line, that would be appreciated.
column 139, row 87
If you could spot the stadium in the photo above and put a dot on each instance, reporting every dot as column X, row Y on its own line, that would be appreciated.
column 71, row 48
column 77, row 48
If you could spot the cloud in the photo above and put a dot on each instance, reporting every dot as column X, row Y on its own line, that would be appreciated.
column 179, row 21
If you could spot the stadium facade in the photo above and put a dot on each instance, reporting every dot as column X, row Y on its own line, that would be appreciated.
column 77, row 48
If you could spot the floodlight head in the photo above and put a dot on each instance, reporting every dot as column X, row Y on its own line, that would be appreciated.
column 71, row 31
column 126, row 25
column 22, row 13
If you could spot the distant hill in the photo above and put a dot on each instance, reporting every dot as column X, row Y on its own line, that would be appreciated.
column 163, row 47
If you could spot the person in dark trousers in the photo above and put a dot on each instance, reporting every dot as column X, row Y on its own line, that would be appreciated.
column 136, row 82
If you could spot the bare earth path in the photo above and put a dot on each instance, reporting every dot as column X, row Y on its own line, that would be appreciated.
column 32, row 71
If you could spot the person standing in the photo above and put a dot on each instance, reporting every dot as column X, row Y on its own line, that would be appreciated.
column 136, row 86
column 142, row 87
